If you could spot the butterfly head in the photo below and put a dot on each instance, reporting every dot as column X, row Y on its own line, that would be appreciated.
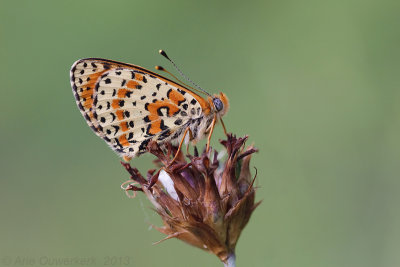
column 219, row 103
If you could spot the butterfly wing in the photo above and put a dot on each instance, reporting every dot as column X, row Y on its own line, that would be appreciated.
column 128, row 106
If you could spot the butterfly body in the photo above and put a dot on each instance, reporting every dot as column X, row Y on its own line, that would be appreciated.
column 128, row 106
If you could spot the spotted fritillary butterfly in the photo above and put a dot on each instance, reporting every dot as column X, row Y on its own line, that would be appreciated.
column 128, row 106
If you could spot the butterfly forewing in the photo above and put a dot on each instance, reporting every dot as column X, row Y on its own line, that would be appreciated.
column 128, row 106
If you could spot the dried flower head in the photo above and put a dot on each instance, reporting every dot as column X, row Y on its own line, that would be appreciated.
column 203, row 202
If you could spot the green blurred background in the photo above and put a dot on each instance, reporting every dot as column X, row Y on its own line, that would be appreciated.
column 314, row 83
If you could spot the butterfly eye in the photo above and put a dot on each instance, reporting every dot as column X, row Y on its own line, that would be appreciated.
column 218, row 104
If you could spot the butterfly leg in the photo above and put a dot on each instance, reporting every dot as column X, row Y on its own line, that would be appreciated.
column 190, row 138
column 211, row 131
column 223, row 126
column 180, row 146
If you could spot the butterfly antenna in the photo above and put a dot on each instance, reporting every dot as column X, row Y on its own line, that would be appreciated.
column 173, row 76
column 162, row 52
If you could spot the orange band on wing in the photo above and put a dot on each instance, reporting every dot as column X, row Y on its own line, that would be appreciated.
column 124, row 126
column 123, row 141
column 155, row 127
column 122, row 92
column 176, row 97
column 155, row 118
column 132, row 84
column 120, row 114
column 87, row 95
column 138, row 77
column 115, row 103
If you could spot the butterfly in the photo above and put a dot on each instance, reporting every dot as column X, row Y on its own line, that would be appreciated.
column 128, row 106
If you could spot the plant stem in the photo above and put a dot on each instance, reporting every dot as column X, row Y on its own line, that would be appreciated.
column 231, row 261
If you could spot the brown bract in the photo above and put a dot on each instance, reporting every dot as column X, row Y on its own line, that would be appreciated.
column 202, row 201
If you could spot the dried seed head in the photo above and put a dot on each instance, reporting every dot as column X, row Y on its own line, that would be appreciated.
column 203, row 202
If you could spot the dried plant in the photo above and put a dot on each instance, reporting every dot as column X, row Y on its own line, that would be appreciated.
column 203, row 202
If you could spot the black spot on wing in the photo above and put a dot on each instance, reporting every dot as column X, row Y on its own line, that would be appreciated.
column 93, row 128
column 181, row 91
column 118, row 143
column 160, row 111
column 162, row 125
column 143, row 145
column 77, row 97
column 180, row 102
column 80, row 106
column 116, row 128
column 169, row 91
column 119, row 150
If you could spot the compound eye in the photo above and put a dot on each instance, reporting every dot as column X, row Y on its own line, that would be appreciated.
column 218, row 104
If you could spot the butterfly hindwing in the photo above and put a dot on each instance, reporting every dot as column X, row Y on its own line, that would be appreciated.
column 128, row 106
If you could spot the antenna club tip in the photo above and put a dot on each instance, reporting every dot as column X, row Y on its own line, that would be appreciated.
column 162, row 52
column 159, row 68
